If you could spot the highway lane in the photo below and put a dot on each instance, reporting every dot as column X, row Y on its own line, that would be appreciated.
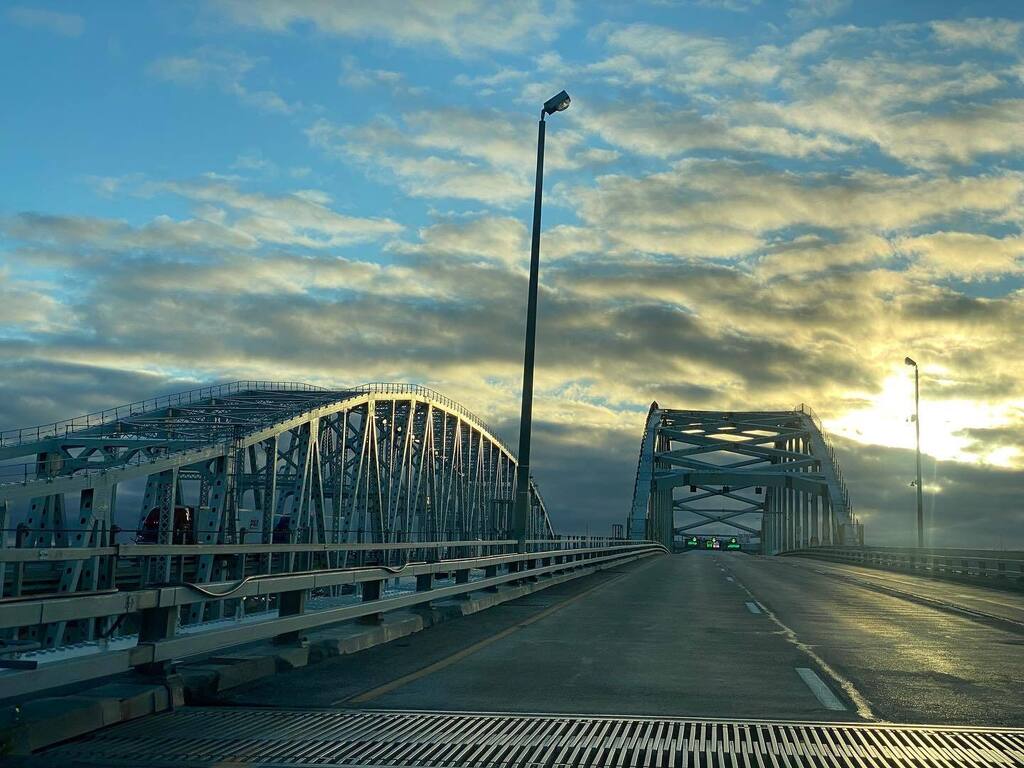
column 998, row 603
column 912, row 662
column 685, row 635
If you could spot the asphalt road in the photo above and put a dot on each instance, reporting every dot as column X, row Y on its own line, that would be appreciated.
column 702, row 634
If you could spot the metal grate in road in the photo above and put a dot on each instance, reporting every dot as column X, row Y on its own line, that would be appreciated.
column 200, row 736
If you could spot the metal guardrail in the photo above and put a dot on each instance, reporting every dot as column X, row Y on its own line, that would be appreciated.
column 264, row 605
column 1001, row 569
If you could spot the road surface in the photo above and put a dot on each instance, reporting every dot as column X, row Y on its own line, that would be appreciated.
column 702, row 634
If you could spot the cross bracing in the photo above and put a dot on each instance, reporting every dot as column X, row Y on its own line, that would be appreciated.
column 772, row 474
column 257, row 463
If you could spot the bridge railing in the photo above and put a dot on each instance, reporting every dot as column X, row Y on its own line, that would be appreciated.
column 279, row 595
column 988, row 567
column 18, row 435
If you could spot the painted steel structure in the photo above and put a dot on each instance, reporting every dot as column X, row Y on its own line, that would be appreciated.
column 251, row 463
column 779, row 465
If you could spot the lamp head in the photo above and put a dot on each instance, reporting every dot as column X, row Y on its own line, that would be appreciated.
column 557, row 103
column 910, row 361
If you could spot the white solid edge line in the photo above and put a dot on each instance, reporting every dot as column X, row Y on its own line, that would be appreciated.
column 753, row 608
column 823, row 693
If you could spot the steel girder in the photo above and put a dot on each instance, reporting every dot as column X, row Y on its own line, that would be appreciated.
column 777, row 464
column 260, row 462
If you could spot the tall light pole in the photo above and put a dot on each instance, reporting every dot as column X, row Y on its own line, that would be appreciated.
column 521, row 511
column 917, row 429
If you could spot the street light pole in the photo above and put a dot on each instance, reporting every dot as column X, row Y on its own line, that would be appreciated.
column 521, row 511
column 917, row 429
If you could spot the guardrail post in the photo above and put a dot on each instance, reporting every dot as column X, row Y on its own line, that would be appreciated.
column 490, row 572
column 291, row 603
column 371, row 591
column 462, row 577
column 158, row 623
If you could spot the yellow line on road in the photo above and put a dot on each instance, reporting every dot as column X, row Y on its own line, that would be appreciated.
column 374, row 693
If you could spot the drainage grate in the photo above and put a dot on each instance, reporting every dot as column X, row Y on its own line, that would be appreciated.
column 197, row 736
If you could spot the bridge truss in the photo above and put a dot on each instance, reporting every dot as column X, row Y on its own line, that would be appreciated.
column 719, row 467
column 251, row 463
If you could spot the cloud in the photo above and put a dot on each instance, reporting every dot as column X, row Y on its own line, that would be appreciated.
column 966, row 255
column 724, row 208
column 224, row 69
column 89, row 233
column 302, row 219
column 461, row 27
column 740, row 6
column 995, row 34
column 884, row 499
column 63, row 24
column 452, row 153
column 650, row 54
column 811, row 254
column 487, row 238
column 355, row 76
column 660, row 130
column 814, row 10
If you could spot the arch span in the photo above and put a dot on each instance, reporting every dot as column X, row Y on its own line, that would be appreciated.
column 273, row 462
column 726, row 468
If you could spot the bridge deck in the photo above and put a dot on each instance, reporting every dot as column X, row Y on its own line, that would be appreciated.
column 703, row 635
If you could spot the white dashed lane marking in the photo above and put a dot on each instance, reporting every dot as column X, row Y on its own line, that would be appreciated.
column 823, row 693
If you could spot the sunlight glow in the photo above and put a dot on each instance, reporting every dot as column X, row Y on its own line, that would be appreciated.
column 887, row 421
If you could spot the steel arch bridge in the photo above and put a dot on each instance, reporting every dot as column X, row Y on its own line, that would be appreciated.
column 267, row 462
column 717, row 466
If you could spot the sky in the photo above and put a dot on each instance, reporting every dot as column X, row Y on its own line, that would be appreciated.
column 749, row 204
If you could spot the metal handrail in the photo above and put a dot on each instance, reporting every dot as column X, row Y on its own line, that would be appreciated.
column 972, row 564
column 57, row 554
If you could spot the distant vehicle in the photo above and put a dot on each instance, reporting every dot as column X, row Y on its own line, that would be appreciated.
column 183, row 527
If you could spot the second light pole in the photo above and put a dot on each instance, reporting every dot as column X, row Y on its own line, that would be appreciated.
column 917, row 428
column 521, row 510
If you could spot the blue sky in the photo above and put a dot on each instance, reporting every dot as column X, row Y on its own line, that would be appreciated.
column 749, row 204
